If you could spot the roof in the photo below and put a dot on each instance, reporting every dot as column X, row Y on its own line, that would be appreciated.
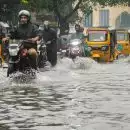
column 109, row 28
column 122, row 30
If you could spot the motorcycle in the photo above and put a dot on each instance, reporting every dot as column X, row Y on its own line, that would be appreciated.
column 19, row 59
column 75, row 49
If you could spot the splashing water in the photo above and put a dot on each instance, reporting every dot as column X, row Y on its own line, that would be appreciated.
column 82, row 63
column 80, row 95
column 77, row 63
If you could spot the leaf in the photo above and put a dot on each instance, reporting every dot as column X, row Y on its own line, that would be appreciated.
column 24, row 1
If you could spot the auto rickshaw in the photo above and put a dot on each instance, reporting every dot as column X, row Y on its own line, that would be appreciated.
column 101, row 44
column 123, row 44
column 4, row 27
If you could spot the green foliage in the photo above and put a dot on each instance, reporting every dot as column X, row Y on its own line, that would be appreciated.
column 65, row 9
column 59, row 7
column 24, row 1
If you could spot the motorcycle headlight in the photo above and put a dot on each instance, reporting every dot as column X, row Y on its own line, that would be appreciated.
column 89, row 48
column 104, row 48
column 75, row 43
column 13, row 49
column 13, row 52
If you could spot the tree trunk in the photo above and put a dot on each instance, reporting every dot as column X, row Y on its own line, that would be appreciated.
column 63, row 20
column 64, row 26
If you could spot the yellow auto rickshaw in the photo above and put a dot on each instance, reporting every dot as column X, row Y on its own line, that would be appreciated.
column 4, row 28
column 123, row 40
column 101, row 43
column 1, row 56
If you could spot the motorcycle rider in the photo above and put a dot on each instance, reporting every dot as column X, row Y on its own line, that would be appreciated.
column 25, row 30
column 78, row 34
column 50, row 37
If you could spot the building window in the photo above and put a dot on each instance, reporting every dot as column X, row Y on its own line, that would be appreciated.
column 104, row 18
column 125, row 19
column 89, row 20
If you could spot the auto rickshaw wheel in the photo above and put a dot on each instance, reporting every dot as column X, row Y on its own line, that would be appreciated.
column 97, row 59
column 117, row 57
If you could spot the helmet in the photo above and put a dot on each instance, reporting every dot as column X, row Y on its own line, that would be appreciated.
column 25, row 13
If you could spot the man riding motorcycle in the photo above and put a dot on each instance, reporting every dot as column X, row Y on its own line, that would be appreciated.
column 25, row 30
column 50, row 37
column 78, row 34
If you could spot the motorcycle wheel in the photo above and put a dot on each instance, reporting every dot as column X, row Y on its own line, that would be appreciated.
column 72, row 56
column 11, row 69
column 42, row 58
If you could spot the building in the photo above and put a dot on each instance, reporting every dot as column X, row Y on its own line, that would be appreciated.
column 117, row 16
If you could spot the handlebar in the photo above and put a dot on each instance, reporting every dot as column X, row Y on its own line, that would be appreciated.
column 27, row 44
column 28, row 41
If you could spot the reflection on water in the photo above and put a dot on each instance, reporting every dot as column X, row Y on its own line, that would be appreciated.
column 91, row 98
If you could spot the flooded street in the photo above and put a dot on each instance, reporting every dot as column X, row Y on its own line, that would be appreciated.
column 69, row 97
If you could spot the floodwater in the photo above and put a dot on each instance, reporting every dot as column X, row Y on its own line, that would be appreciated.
column 81, row 96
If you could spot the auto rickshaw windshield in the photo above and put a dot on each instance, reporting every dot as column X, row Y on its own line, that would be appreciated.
column 122, row 36
column 97, row 36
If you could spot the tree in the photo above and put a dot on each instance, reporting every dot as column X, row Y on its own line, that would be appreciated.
column 9, row 1
column 59, row 7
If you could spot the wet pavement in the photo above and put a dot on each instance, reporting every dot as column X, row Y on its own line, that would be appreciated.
column 81, row 96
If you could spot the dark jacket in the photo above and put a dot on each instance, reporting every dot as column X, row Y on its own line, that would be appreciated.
column 49, row 35
column 25, row 31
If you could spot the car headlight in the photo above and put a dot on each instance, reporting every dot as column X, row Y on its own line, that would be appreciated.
column 89, row 48
column 105, row 48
